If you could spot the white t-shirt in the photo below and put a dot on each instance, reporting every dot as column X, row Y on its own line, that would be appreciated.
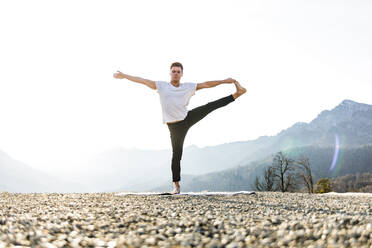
column 174, row 99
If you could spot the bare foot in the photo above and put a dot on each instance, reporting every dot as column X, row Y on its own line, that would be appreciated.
column 240, row 90
column 176, row 191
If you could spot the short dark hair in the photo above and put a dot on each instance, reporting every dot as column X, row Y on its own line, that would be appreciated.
column 178, row 64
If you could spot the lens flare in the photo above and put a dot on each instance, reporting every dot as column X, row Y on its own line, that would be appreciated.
column 335, row 155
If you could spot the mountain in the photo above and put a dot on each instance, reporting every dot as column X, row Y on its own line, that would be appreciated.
column 350, row 160
column 117, row 168
column 18, row 177
column 139, row 170
column 348, row 125
column 350, row 121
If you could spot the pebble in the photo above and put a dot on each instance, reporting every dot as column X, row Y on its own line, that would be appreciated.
column 266, row 219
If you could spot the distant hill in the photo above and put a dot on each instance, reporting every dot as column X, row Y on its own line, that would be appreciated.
column 348, row 125
column 16, row 176
column 350, row 160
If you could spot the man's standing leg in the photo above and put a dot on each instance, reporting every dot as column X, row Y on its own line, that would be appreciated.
column 177, row 134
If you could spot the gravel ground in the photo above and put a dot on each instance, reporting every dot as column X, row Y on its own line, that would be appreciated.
column 266, row 219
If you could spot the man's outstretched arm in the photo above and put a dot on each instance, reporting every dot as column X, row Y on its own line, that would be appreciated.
column 147, row 82
column 210, row 84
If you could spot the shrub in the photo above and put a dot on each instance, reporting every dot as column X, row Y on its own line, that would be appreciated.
column 323, row 186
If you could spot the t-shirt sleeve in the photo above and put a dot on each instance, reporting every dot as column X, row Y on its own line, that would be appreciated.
column 193, row 88
column 159, row 85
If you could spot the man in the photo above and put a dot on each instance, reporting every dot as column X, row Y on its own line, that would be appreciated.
column 174, row 97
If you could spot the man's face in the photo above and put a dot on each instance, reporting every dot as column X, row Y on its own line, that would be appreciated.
column 176, row 73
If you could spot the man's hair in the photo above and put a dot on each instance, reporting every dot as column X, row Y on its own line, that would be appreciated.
column 178, row 64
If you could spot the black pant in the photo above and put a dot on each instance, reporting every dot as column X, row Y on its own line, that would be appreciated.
column 179, row 129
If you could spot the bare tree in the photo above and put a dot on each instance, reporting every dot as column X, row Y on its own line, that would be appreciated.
column 305, row 173
column 268, row 182
column 258, row 185
column 283, row 168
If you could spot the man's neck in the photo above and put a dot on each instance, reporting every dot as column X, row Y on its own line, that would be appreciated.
column 175, row 83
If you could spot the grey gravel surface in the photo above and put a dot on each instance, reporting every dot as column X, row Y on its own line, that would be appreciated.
column 266, row 219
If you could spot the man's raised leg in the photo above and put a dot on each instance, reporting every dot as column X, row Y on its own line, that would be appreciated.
column 200, row 112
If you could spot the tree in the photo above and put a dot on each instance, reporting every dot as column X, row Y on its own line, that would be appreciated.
column 283, row 169
column 269, row 180
column 353, row 183
column 323, row 186
column 305, row 173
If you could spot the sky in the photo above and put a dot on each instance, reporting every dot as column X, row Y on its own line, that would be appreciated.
column 60, row 105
